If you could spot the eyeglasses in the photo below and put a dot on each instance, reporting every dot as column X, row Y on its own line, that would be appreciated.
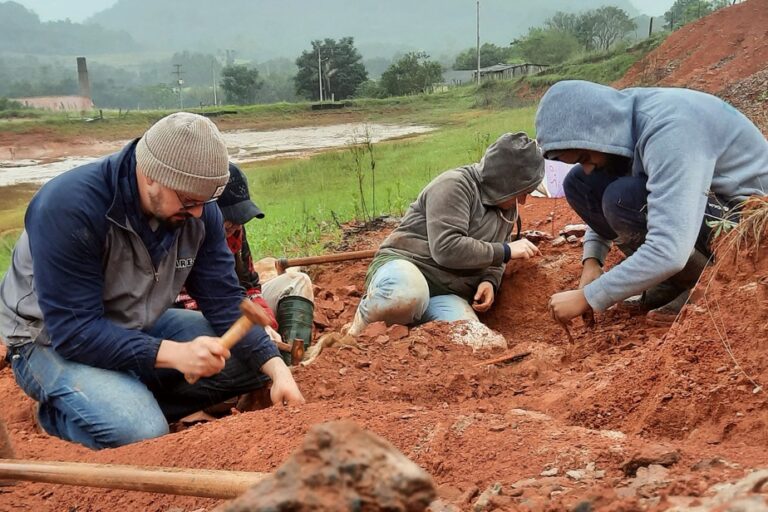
column 188, row 205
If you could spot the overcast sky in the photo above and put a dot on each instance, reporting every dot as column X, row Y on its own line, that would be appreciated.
column 79, row 10
column 75, row 10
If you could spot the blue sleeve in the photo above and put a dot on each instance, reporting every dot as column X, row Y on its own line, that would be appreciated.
column 678, row 181
column 67, row 250
column 214, row 285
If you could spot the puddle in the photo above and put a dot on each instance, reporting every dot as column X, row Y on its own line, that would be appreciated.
column 242, row 145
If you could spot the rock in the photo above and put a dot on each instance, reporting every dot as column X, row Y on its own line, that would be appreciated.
column 557, row 242
column 351, row 291
column 476, row 334
column 449, row 493
column 572, row 239
column 576, row 474
column 535, row 236
column 397, row 332
column 340, row 467
column 483, row 502
column 442, row 506
column 550, row 472
column 375, row 329
column 743, row 495
column 320, row 318
column 577, row 230
column 658, row 454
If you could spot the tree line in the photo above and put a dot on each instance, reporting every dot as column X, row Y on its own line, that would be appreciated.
column 328, row 69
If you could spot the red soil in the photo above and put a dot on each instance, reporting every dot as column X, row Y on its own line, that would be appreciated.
column 622, row 388
column 710, row 53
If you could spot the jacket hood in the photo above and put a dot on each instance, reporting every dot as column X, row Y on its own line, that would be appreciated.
column 575, row 114
column 511, row 166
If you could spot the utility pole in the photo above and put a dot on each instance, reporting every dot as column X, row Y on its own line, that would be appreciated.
column 319, row 72
column 179, row 82
column 213, row 78
column 478, row 42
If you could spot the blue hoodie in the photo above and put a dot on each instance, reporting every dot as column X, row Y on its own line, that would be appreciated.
column 88, row 278
column 687, row 143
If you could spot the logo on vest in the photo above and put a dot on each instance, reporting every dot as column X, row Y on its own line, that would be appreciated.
column 183, row 263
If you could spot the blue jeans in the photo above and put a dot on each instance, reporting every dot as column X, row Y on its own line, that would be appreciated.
column 399, row 294
column 105, row 409
column 616, row 208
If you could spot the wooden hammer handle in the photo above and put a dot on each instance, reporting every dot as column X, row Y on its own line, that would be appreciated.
column 284, row 263
column 235, row 333
column 251, row 312
column 185, row 482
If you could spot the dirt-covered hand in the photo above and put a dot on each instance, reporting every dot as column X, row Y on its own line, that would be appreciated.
column 483, row 299
column 523, row 249
column 284, row 389
column 565, row 306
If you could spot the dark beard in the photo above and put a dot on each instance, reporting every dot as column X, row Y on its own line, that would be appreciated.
column 617, row 166
column 172, row 223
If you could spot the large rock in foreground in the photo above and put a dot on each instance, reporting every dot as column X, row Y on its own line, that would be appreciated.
column 341, row 467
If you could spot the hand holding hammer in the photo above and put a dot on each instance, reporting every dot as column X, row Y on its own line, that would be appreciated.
column 253, row 314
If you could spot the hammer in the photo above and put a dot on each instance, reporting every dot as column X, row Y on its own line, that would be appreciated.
column 253, row 314
column 283, row 263
column 205, row 483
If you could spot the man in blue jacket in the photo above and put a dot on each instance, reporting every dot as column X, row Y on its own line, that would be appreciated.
column 656, row 168
column 85, row 306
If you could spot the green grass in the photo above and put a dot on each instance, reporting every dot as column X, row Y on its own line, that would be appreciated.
column 300, row 198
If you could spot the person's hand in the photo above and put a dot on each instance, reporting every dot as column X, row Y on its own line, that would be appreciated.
column 523, row 249
column 202, row 357
column 284, row 390
column 273, row 334
column 483, row 298
column 591, row 271
column 565, row 306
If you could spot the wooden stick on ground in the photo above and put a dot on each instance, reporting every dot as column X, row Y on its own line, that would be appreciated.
column 205, row 483
column 509, row 358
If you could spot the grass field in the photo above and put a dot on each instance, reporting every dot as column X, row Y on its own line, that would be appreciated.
column 301, row 198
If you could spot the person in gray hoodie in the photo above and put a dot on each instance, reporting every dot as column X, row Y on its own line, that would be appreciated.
column 452, row 244
column 656, row 168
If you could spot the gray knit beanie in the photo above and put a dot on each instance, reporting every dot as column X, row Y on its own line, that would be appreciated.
column 185, row 152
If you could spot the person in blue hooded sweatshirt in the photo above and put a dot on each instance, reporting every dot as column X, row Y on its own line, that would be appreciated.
column 655, row 167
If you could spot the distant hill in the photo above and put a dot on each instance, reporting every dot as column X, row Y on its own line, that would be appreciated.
column 263, row 29
column 22, row 32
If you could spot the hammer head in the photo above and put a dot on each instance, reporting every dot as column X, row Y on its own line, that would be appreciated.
column 255, row 313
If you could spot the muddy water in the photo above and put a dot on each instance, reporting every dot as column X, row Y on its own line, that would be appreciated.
column 243, row 146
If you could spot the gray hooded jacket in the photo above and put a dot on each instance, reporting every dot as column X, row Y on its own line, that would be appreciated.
column 687, row 143
column 454, row 232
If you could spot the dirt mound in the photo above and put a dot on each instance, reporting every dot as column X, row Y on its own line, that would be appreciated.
column 553, row 430
column 710, row 53
column 704, row 379
column 750, row 95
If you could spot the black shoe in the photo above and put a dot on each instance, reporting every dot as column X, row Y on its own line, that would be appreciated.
column 668, row 313
column 654, row 297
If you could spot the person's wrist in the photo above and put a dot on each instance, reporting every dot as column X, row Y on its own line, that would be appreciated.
column 167, row 354
column 507, row 252
column 592, row 262
column 274, row 367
